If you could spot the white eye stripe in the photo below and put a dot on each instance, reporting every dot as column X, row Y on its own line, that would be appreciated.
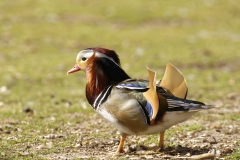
column 88, row 53
column 84, row 53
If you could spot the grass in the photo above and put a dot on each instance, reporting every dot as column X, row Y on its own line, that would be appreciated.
column 153, row 139
column 235, row 155
column 40, row 39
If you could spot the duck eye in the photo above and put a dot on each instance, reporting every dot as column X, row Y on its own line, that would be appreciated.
column 84, row 58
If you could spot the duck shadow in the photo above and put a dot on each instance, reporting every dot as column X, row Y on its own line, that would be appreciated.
column 172, row 151
column 182, row 151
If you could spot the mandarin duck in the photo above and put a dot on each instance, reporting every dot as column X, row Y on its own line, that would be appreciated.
column 134, row 106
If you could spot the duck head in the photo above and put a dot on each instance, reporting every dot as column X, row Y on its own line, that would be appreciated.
column 102, row 67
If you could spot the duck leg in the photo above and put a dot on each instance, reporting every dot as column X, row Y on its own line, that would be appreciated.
column 120, row 146
column 160, row 144
column 161, row 140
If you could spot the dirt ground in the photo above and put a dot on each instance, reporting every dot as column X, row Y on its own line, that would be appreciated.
column 219, row 138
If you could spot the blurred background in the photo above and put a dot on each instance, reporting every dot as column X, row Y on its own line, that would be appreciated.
column 39, row 41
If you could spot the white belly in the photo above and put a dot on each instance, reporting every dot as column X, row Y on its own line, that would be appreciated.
column 169, row 119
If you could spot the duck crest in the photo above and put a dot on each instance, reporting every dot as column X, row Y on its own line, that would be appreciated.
column 107, row 52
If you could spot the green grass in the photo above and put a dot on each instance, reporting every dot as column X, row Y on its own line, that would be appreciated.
column 173, row 132
column 39, row 41
column 234, row 155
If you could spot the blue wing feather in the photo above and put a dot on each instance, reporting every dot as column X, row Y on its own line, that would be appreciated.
column 132, row 84
column 149, row 109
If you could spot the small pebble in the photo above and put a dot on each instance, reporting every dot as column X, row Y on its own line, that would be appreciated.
column 218, row 153
column 188, row 154
column 23, row 153
column 40, row 147
column 1, row 104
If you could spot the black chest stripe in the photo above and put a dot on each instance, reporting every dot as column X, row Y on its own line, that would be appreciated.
column 146, row 114
column 102, row 97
